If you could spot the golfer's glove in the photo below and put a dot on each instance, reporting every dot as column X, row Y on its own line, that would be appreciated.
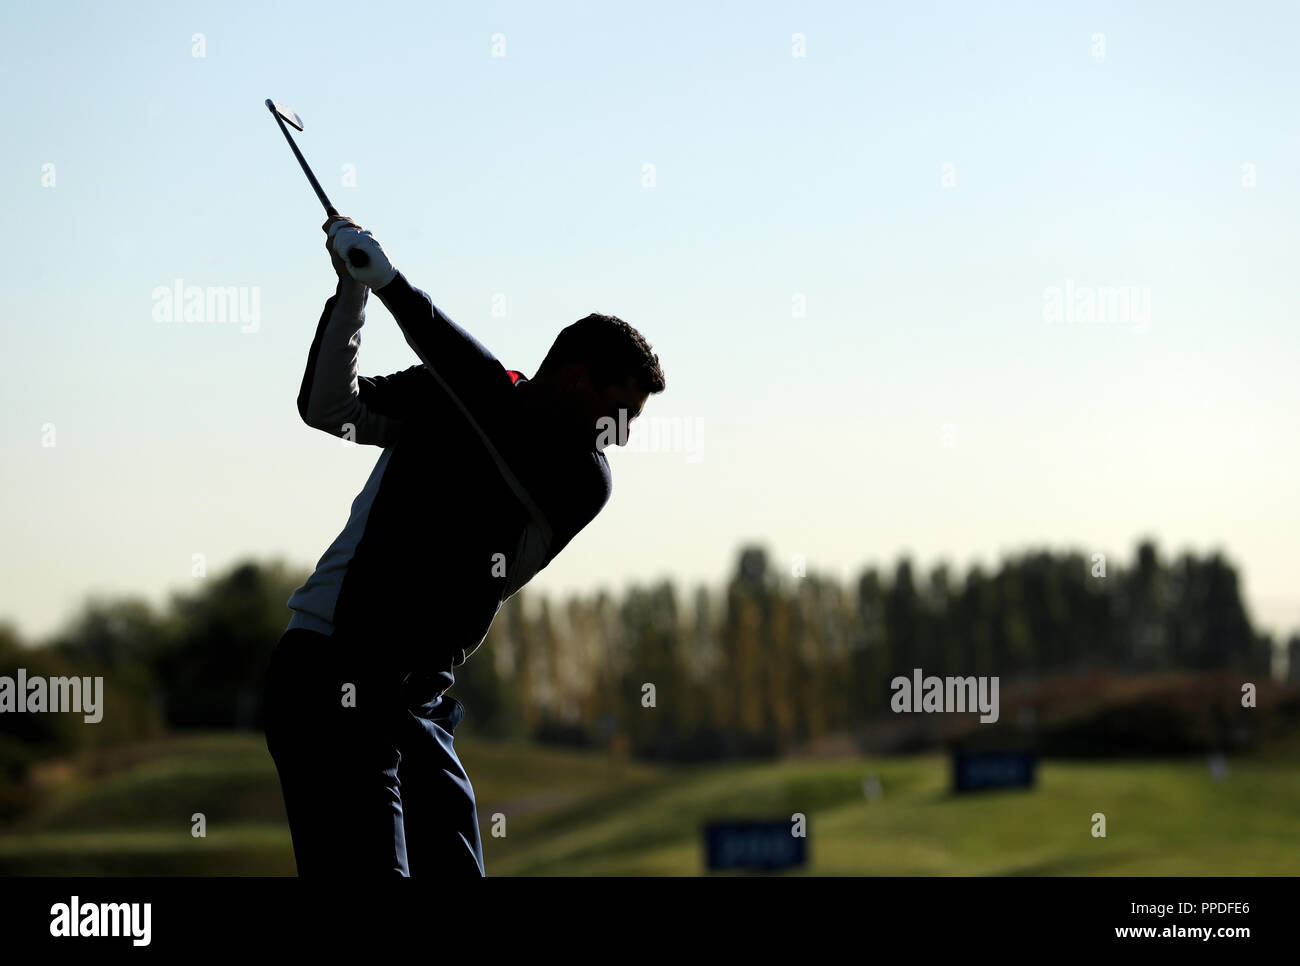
column 379, row 272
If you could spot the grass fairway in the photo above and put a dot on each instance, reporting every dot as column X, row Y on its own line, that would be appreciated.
column 573, row 813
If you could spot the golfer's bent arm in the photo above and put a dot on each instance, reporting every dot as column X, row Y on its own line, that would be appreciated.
column 333, row 398
column 471, row 375
column 468, row 373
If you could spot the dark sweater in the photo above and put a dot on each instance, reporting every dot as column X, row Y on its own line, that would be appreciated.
column 472, row 495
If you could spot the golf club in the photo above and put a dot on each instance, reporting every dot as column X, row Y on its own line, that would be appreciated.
column 356, row 257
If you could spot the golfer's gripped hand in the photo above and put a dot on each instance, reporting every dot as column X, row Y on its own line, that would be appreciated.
column 340, row 266
column 343, row 234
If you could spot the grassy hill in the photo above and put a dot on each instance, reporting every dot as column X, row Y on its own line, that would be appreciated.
column 573, row 813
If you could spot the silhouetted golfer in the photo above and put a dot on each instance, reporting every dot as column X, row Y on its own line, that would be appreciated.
column 485, row 476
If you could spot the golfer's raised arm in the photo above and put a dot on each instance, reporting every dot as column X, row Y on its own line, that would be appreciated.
column 330, row 398
column 464, row 369
column 462, row 365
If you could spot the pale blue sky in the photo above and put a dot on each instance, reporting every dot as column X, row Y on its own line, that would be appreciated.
column 522, row 176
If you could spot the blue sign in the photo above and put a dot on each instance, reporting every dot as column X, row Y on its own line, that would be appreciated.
column 754, row 845
column 974, row 771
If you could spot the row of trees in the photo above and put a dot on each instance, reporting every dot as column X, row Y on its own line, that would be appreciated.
column 772, row 661
column 778, row 660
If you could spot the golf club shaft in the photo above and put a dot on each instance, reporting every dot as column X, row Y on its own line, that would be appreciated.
column 358, row 258
column 320, row 192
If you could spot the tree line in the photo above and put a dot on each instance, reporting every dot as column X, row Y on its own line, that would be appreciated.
column 773, row 659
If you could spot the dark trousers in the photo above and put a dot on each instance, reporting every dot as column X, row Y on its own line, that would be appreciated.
column 371, row 782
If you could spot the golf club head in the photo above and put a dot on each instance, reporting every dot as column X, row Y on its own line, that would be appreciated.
column 284, row 112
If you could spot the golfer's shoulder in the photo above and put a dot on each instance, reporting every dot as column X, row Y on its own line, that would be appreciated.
column 582, row 487
column 486, row 397
column 491, row 386
column 597, row 490
column 601, row 486
column 582, row 495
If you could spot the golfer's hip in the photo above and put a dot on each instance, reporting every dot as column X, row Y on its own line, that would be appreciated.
column 310, row 665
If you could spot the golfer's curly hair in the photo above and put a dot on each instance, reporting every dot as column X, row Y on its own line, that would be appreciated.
column 612, row 351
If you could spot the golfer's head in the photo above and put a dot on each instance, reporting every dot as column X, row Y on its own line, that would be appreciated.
column 599, row 374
